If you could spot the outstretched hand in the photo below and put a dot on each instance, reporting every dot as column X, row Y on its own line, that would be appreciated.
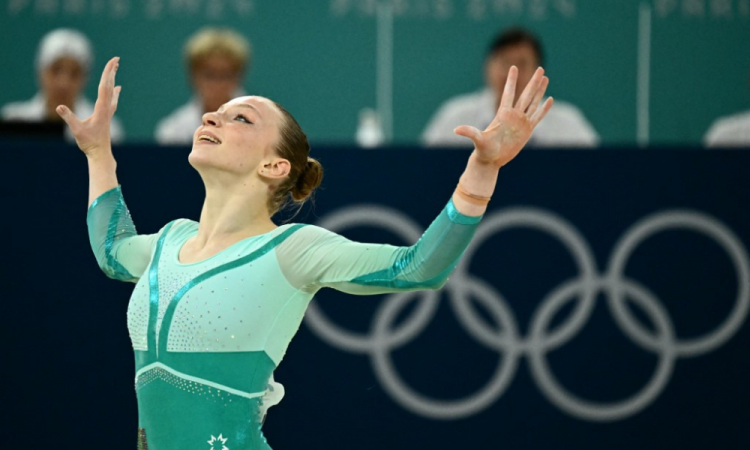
column 93, row 133
column 515, row 120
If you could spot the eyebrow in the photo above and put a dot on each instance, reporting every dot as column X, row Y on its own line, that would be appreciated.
column 244, row 105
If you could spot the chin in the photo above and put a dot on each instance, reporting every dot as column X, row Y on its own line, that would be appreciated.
column 198, row 158
column 205, row 162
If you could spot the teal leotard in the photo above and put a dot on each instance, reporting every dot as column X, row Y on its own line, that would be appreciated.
column 208, row 335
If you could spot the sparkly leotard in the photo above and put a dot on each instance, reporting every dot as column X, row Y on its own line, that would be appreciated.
column 208, row 335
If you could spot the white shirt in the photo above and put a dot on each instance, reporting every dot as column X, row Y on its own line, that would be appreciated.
column 563, row 126
column 729, row 131
column 178, row 127
column 35, row 110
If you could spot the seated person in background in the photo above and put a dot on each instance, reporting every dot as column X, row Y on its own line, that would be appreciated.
column 216, row 60
column 564, row 125
column 730, row 131
column 63, row 61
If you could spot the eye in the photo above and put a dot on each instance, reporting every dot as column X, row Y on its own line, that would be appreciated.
column 242, row 118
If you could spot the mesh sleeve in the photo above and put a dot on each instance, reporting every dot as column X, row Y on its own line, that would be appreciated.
column 120, row 252
column 314, row 258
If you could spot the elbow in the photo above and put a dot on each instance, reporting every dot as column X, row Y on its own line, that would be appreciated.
column 438, row 285
column 434, row 284
column 115, row 271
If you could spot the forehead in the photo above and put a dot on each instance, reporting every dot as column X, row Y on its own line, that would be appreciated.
column 521, row 50
column 217, row 62
column 262, row 104
column 65, row 62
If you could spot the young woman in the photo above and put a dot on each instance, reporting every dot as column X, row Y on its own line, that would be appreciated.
column 217, row 302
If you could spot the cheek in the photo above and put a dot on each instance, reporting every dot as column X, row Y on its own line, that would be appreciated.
column 497, row 76
column 202, row 86
column 48, row 81
column 78, row 83
column 226, row 88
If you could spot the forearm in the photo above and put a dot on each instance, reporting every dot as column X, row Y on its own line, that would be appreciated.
column 480, row 179
column 102, row 173
column 110, row 225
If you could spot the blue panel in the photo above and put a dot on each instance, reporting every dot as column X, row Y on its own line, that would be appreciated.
column 603, row 305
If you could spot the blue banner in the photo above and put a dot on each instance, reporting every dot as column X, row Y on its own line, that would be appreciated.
column 602, row 304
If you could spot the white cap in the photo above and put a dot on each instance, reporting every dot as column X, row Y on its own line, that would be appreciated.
column 64, row 42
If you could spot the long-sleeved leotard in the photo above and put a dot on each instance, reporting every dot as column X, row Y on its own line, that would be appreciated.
column 208, row 335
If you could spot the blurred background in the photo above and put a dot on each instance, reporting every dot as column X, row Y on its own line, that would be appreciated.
column 320, row 58
column 513, row 352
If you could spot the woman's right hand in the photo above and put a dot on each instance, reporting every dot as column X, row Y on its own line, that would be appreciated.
column 92, row 134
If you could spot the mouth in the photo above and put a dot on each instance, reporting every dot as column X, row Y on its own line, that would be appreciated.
column 209, row 138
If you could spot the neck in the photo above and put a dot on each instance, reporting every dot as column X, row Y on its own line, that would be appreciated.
column 232, row 212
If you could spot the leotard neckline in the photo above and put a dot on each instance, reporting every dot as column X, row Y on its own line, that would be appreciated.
column 218, row 254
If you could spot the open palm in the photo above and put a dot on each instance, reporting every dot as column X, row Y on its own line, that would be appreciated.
column 93, row 132
column 511, row 128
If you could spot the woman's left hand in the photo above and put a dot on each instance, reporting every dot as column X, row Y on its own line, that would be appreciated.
column 515, row 120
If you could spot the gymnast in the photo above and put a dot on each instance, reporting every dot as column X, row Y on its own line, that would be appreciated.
column 216, row 302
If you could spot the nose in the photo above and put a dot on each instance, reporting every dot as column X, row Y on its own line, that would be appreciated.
column 211, row 118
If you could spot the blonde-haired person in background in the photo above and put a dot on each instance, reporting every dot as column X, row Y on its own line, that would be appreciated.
column 63, row 60
column 216, row 60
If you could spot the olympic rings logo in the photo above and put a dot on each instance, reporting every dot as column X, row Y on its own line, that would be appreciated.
column 384, row 337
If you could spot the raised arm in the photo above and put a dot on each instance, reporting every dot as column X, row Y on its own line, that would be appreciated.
column 501, row 141
column 313, row 258
column 319, row 258
column 120, row 252
column 92, row 135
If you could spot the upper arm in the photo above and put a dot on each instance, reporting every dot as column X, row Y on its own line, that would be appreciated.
column 121, row 253
column 314, row 257
column 134, row 254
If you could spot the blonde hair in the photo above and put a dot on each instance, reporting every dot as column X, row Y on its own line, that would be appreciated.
column 217, row 41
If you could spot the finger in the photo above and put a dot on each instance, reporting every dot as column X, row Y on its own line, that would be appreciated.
column 541, row 112
column 509, row 94
column 106, row 85
column 469, row 132
column 528, row 93
column 69, row 118
column 115, row 99
column 113, row 72
column 538, row 97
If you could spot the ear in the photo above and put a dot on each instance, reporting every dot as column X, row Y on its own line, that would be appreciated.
column 274, row 169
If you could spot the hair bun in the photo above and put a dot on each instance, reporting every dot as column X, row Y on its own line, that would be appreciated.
column 308, row 180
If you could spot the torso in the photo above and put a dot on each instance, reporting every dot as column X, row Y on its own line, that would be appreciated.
column 207, row 336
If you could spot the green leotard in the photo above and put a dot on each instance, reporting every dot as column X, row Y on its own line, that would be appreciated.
column 208, row 335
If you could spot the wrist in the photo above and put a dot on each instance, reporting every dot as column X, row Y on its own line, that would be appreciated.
column 99, row 155
column 483, row 165
column 102, row 160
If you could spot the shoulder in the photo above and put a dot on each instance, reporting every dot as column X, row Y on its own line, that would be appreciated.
column 464, row 103
column 303, row 237
column 179, row 228
column 565, row 125
column 181, row 224
column 476, row 109
column 563, row 110
column 730, row 130
column 305, row 232
column 23, row 110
